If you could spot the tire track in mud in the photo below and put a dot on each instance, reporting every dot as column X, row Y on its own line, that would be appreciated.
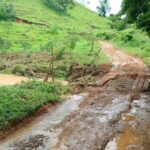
column 98, row 121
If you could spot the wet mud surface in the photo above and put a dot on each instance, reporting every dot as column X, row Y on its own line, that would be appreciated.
column 114, row 114
column 11, row 79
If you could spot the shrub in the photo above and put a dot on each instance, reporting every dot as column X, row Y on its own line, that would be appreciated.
column 60, row 5
column 117, row 23
column 7, row 11
column 4, row 45
column 143, row 21
column 20, row 101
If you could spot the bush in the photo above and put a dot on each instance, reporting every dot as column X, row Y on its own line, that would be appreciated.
column 106, row 35
column 60, row 5
column 117, row 23
column 7, row 11
column 143, row 21
column 4, row 45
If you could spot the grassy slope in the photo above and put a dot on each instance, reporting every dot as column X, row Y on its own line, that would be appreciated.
column 79, row 19
column 24, row 37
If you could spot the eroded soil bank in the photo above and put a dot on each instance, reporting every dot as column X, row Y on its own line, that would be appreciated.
column 113, row 114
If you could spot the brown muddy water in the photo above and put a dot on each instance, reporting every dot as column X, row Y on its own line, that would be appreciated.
column 6, row 79
column 10, row 79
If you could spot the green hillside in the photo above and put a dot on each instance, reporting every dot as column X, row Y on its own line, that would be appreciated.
column 33, row 37
column 79, row 24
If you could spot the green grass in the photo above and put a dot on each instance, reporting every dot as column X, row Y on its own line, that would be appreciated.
column 131, row 40
column 22, row 37
column 19, row 101
column 138, row 46
column 78, row 20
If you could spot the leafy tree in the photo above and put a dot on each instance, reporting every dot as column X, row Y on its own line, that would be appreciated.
column 117, row 22
column 137, row 11
column 60, row 5
column 144, row 21
column 104, row 8
column 133, row 8
column 7, row 11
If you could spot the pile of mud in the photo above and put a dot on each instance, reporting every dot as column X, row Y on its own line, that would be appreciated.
column 82, row 76
column 77, row 71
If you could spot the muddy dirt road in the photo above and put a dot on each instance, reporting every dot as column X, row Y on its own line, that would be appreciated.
column 113, row 114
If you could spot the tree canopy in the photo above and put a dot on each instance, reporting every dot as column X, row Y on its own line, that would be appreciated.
column 6, row 11
column 137, row 11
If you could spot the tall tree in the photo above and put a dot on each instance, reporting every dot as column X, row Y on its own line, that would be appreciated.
column 133, row 8
column 137, row 11
column 103, row 8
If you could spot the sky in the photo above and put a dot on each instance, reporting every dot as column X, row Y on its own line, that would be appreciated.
column 92, row 4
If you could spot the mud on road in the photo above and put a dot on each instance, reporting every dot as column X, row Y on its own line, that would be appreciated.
column 113, row 114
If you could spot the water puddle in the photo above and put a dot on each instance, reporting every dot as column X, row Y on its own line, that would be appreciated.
column 9, row 79
column 128, row 118
column 6, row 79
column 126, row 141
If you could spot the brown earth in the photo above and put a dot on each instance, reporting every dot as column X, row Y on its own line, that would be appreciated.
column 113, row 114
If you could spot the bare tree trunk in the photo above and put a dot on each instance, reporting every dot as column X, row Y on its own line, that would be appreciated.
column 48, row 72
column 50, row 68
column 92, row 45
column 96, row 55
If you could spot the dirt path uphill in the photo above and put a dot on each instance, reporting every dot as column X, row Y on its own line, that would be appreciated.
column 114, row 114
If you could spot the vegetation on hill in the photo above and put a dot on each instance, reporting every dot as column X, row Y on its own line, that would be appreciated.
column 137, row 11
column 7, row 11
column 59, row 5
column 71, row 34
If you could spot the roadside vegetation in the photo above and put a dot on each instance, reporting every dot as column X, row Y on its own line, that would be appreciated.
column 130, row 28
column 20, row 101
